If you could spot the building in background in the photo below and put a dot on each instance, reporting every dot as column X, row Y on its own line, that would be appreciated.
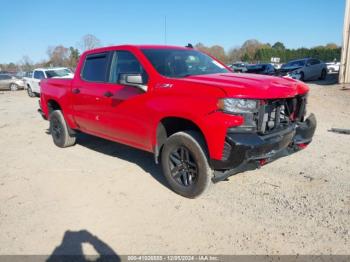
column 344, row 74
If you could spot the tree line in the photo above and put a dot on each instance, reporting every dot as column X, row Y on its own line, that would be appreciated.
column 58, row 56
column 252, row 51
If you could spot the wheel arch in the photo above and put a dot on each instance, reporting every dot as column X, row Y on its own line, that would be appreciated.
column 13, row 83
column 53, row 105
column 168, row 126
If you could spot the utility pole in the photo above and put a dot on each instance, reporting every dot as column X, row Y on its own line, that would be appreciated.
column 344, row 72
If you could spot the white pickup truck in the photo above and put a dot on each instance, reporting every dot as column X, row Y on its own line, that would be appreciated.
column 32, row 83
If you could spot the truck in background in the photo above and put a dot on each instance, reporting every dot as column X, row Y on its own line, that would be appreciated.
column 32, row 82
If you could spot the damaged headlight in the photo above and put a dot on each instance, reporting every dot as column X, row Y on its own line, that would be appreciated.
column 238, row 106
column 244, row 107
column 294, row 74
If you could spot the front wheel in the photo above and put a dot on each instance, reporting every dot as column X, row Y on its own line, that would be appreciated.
column 61, row 134
column 13, row 87
column 323, row 74
column 30, row 92
column 185, row 164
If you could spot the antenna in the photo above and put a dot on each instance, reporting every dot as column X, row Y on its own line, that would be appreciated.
column 165, row 32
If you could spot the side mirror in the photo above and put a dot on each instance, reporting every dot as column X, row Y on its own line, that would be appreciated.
column 133, row 80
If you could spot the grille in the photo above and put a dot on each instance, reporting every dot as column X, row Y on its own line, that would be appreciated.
column 278, row 114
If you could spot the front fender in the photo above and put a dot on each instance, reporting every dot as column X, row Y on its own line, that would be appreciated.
column 214, row 127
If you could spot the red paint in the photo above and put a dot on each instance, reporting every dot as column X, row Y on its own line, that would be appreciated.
column 302, row 146
column 262, row 162
column 131, row 116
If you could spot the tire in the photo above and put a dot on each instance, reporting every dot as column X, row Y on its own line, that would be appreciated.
column 185, row 164
column 61, row 134
column 13, row 87
column 323, row 74
column 30, row 92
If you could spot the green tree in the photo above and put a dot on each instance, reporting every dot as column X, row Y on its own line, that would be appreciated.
column 279, row 46
column 73, row 57
column 245, row 57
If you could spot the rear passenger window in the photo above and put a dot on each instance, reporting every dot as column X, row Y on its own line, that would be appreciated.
column 95, row 67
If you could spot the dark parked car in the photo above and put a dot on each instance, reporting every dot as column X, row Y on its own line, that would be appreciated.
column 262, row 69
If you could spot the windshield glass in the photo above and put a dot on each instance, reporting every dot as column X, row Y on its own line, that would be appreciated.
column 58, row 73
column 295, row 63
column 182, row 62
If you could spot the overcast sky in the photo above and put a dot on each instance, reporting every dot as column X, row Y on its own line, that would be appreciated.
column 29, row 27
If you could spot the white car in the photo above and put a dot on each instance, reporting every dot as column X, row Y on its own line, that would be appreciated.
column 333, row 67
column 305, row 69
column 32, row 83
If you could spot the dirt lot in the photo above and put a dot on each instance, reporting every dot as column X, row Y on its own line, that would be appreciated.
column 299, row 204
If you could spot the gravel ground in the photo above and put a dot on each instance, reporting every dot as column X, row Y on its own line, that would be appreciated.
column 297, row 205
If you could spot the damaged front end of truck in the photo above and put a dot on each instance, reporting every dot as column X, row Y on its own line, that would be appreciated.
column 274, row 129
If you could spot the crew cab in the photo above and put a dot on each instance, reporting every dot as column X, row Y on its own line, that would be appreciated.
column 202, row 122
column 32, row 83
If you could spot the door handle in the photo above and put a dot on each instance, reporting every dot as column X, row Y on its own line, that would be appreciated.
column 75, row 90
column 108, row 94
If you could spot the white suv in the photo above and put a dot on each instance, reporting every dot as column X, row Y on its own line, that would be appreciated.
column 32, row 83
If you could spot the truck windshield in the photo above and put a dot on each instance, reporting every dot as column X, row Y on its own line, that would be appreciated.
column 182, row 62
column 58, row 73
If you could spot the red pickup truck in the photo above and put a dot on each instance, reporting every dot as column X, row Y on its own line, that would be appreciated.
column 200, row 120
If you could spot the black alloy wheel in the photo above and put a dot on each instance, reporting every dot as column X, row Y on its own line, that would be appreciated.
column 182, row 166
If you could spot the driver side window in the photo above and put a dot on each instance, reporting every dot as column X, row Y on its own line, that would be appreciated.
column 125, row 63
column 39, row 75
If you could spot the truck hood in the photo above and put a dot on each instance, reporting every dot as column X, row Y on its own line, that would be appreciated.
column 251, row 85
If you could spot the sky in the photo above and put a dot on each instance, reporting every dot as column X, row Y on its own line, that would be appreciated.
column 30, row 27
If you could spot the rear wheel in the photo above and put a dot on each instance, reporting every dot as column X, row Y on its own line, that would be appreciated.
column 185, row 164
column 61, row 134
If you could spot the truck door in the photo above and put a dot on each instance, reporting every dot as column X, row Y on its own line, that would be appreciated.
column 87, row 92
column 125, row 116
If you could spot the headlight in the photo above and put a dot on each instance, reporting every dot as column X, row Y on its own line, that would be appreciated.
column 238, row 106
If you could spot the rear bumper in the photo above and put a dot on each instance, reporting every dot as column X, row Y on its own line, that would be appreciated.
column 242, row 149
